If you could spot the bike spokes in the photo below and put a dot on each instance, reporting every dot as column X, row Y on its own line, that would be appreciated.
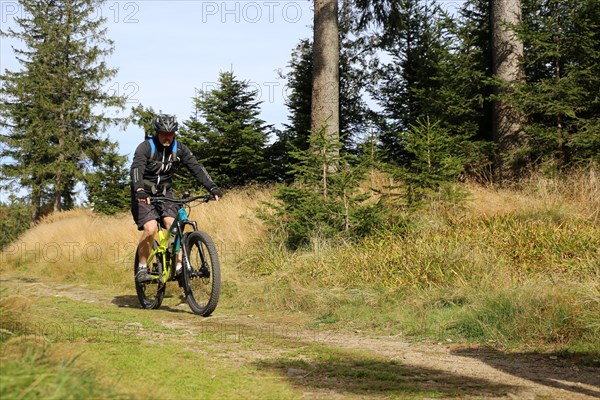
column 202, row 274
column 150, row 294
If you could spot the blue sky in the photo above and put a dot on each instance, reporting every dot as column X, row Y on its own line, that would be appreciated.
column 166, row 50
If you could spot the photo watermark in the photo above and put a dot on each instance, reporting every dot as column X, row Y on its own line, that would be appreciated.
column 93, row 252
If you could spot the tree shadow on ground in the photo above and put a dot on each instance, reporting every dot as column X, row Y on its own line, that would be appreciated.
column 566, row 372
column 131, row 301
column 353, row 373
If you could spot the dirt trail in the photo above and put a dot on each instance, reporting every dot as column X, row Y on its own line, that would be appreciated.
column 465, row 372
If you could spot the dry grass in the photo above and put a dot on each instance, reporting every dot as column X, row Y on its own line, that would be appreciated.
column 577, row 194
column 232, row 222
column 79, row 245
column 76, row 245
column 84, row 247
column 544, row 234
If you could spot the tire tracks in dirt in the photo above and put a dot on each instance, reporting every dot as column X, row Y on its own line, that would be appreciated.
column 465, row 371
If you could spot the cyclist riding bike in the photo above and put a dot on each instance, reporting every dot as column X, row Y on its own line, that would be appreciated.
column 154, row 164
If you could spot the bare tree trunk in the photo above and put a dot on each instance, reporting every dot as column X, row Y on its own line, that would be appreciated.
column 58, row 177
column 507, row 56
column 36, row 202
column 57, row 206
column 325, row 112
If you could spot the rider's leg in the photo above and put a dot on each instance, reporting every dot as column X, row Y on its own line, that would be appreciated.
column 168, row 221
column 144, row 247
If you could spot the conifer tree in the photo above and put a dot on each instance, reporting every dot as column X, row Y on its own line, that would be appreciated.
column 438, row 157
column 299, row 86
column 227, row 134
column 474, row 68
column 560, row 95
column 50, row 106
column 412, row 84
column 507, row 54
column 142, row 117
column 12, row 214
column 296, row 134
column 353, row 77
column 321, row 203
column 107, row 186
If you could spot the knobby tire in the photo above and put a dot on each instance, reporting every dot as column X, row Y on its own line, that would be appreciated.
column 150, row 294
column 202, row 281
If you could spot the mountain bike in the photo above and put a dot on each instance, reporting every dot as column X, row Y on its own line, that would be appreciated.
column 200, row 277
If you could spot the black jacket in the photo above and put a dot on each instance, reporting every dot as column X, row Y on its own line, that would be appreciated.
column 158, row 170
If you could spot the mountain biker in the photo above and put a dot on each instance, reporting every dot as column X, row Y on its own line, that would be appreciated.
column 154, row 164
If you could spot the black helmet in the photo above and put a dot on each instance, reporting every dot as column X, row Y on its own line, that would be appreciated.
column 165, row 123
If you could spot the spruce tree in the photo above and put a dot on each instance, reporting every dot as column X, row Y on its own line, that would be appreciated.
column 142, row 117
column 507, row 55
column 412, row 84
column 354, row 113
column 299, row 99
column 296, row 134
column 321, row 203
column 325, row 111
column 107, row 186
column 473, row 69
column 438, row 158
column 227, row 134
column 50, row 106
column 560, row 95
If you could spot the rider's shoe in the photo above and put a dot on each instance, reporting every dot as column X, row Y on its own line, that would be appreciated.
column 142, row 276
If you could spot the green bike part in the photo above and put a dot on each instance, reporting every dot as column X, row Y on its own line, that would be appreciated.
column 163, row 245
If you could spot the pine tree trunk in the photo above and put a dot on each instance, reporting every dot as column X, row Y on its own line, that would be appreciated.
column 507, row 55
column 58, row 178
column 36, row 202
column 325, row 114
column 57, row 207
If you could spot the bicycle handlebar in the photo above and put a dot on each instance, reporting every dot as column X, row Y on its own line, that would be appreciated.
column 205, row 199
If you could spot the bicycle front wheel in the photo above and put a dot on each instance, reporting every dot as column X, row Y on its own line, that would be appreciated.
column 201, row 274
column 150, row 294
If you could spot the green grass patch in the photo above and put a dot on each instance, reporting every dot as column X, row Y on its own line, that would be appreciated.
column 34, row 375
column 521, row 280
column 562, row 316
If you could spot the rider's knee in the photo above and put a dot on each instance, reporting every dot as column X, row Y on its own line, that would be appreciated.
column 150, row 228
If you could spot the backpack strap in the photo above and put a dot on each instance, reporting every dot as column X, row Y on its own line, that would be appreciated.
column 152, row 147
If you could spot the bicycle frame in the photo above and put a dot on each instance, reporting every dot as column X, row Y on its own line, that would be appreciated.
column 200, row 277
column 167, row 248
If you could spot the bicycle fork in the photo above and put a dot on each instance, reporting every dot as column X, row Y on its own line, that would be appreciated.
column 203, row 271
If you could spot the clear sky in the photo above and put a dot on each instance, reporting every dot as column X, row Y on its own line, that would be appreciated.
column 167, row 49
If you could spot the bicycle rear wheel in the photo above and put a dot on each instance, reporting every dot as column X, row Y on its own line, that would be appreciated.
column 150, row 294
column 202, row 274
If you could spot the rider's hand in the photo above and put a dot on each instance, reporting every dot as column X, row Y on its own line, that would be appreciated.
column 216, row 192
column 142, row 197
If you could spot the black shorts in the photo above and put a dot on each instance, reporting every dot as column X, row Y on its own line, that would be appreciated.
column 143, row 212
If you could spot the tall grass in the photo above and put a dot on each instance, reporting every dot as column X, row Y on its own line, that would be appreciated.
column 28, row 369
column 535, row 313
column 79, row 246
column 74, row 246
column 520, row 265
column 576, row 194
